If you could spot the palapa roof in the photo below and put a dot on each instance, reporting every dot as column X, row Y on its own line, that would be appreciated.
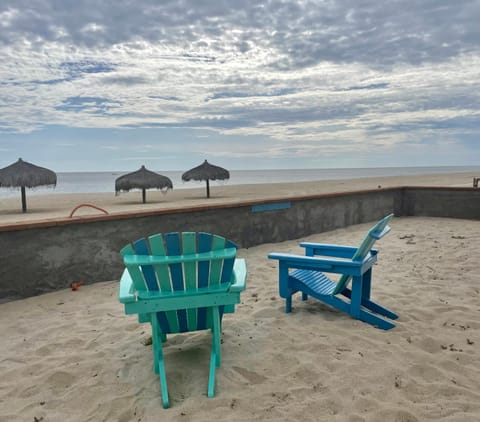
column 22, row 173
column 142, row 179
column 206, row 171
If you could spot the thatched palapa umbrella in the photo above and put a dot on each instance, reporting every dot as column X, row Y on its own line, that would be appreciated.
column 26, row 175
column 142, row 179
column 206, row 171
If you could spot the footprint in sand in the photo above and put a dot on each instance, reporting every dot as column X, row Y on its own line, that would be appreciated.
column 395, row 415
column 45, row 350
column 61, row 379
column 250, row 376
column 267, row 313
column 429, row 344
column 426, row 372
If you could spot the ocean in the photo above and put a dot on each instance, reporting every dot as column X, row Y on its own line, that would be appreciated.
column 90, row 182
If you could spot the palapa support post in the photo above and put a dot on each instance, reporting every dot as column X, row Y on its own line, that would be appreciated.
column 24, row 200
column 208, row 188
column 144, row 195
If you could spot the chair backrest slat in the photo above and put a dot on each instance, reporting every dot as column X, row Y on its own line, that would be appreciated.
column 216, row 266
column 190, row 268
column 168, row 320
column 228, row 264
column 204, row 245
column 134, row 271
column 172, row 241
column 163, row 274
column 141, row 248
column 173, row 247
column 189, row 245
column 376, row 232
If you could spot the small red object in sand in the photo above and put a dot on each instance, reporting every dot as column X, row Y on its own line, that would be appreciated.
column 76, row 285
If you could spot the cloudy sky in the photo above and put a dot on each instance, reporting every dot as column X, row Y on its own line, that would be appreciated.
column 91, row 85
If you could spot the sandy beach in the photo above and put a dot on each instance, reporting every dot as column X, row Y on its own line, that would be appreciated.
column 51, row 205
column 74, row 355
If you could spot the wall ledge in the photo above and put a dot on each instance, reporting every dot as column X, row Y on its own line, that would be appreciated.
column 53, row 222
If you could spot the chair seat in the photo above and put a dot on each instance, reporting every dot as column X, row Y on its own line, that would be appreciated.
column 315, row 280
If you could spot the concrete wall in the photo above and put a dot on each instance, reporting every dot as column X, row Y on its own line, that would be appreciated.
column 37, row 258
column 442, row 202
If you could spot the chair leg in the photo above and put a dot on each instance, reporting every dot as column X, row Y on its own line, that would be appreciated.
column 163, row 379
column 215, row 358
column 144, row 317
column 356, row 297
column 288, row 304
column 375, row 320
column 162, row 338
column 360, row 297
column 375, row 307
column 159, row 365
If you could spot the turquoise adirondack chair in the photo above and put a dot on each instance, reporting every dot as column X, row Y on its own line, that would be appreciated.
column 181, row 282
column 306, row 274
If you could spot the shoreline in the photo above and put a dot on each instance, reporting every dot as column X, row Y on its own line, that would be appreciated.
column 59, row 206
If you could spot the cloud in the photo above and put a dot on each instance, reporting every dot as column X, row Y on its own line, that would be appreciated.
column 382, row 85
column 303, row 33
column 298, row 77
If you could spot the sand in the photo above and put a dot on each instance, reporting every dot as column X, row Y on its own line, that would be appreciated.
column 54, row 205
column 75, row 356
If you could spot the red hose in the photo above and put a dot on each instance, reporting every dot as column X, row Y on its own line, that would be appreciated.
column 87, row 205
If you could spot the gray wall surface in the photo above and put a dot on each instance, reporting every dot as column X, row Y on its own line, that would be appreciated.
column 442, row 202
column 52, row 256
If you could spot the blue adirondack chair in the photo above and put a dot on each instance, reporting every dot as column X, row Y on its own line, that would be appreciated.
column 306, row 274
column 182, row 282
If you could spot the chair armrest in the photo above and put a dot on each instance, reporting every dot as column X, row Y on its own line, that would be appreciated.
column 126, row 289
column 313, row 261
column 338, row 251
column 332, row 265
column 239, row 276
